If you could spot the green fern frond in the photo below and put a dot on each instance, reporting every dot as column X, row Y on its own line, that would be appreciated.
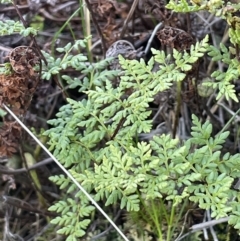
column 98, row 138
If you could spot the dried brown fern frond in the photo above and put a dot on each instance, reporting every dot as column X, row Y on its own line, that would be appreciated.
column 10, row 134
column 16, row 91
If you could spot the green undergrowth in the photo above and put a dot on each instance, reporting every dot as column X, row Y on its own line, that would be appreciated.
column 97, row 138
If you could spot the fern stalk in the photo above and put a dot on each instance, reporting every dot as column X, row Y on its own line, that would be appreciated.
column 61, row 29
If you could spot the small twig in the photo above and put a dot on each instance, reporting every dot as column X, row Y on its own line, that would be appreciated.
column 118, row 128
column 235, row 115
column 208, row 224
column 212, row 231
column 24, row 205
column 46, row 14
column 44, row 162
column 229, row 122
column 6, row 49
column 178, row 109
column 104, row 49
column 125, row 25
column 197, row 227
column 160, row 108
column 213, row 118
column 183, row 226
column 108, row 229
column 10, row 8
column 160, row 25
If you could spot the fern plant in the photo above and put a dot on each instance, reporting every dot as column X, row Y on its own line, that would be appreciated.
column 227, row 11
column 97, row 138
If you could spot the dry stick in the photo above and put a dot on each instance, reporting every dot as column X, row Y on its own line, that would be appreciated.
column 178, row 108
column 157, row 27
column 108, row 229
column 97, row 27
column 118, row 128
column 197, row 227
column 4, row 170
column 18, row 203
column 66, row 172
column 46, row 14
column 9, row 9
column 125, row 25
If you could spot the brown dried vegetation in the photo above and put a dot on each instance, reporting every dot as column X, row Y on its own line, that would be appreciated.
column 16, row 90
